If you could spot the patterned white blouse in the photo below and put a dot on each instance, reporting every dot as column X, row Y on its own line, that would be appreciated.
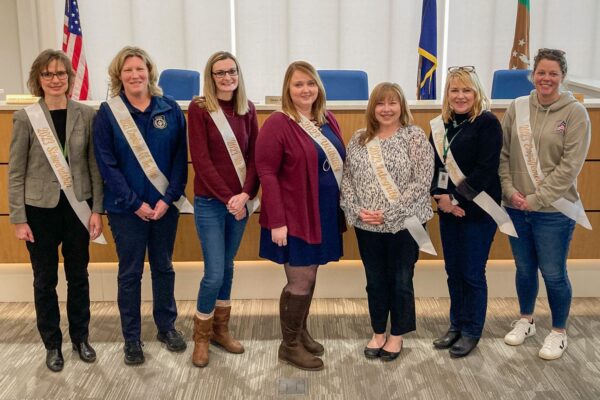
column 408, row 157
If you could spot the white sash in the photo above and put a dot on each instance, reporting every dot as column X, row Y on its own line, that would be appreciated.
column 235, row 153
column 390, row 189
column 333, row 157
column 59, row 165
column 142, row 152
column 483, row 200
column 575, row 210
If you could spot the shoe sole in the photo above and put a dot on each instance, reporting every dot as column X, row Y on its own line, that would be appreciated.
column 508, row 342
column 127, row 362
column 550, row 358
column 300, row 367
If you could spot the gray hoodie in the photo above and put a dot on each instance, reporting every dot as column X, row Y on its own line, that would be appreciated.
column 562, row 134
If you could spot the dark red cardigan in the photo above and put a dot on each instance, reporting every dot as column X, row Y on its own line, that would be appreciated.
column 286, row 161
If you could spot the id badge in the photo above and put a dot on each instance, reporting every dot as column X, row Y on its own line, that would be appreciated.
column 442, row 182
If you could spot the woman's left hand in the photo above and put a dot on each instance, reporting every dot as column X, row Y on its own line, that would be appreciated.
column 371, row 217
column 95, row 226
column 159, row 210
column 236, row 203
column 241, row 215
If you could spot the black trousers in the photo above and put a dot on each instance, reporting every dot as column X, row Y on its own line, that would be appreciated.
column 389, row 260
column 51, row 227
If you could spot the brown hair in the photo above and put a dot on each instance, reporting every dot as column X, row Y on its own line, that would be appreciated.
column 552, row 55
column 116, row 65
column 209, row 89
column 470, row 80
column 383, row 91
column 40, row 64
column 318, row 107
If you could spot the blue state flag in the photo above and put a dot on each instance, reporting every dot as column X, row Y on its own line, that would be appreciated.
column 427, row 51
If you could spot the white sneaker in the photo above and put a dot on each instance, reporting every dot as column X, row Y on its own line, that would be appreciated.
column 554, row 346
column 522, row 329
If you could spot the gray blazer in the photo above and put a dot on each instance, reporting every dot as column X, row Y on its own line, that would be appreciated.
column 31, row 179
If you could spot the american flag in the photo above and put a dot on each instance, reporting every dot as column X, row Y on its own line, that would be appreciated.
column 73, row 47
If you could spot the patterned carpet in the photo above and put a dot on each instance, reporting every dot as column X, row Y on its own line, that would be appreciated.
column 493, row 371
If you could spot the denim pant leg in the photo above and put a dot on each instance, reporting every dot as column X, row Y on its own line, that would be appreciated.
column 552, row 234
column 234, row 231
column 477, row 240
column 372, row 252
column 161, row 242
column 451, row 242
column 526, row 260
column 402, row 254
column 131, row 238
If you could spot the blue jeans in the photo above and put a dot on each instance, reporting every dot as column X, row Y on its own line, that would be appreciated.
column 132, row 236
column 543, row 243
column 466, row 246
column 220, row 236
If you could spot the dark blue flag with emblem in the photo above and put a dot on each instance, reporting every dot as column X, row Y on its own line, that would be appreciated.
column 427, row 51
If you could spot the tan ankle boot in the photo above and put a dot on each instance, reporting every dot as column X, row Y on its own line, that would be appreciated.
column 292, row 309
column 221, row 335
column 202, row 332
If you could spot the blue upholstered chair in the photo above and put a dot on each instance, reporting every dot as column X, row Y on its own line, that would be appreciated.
column 181, row 84
column 511, row 83
column 345, row 84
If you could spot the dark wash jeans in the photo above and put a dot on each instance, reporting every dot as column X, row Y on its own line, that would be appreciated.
column 466, row 246
column 132, row 236
column 51, row 227
column 389, row 260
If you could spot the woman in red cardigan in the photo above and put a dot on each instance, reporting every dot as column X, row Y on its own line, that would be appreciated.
column 299, row 159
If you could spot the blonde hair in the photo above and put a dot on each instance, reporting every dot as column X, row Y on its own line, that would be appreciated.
column 470, row 80
column 383, row 91
column 287, row 106
column 41, row 63
column 116, row 65
column 209, row 100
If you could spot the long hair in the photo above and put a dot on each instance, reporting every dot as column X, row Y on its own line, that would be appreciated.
column 116, row 65
column 209, row 89
column 470, row 80
column 318, row 107
column 40, row 64
column 383, row 91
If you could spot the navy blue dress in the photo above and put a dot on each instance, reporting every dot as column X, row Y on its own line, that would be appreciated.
column 298, row 252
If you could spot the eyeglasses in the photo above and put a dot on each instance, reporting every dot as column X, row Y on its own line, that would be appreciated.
column 221, row 74
column 48, row 76
column 466, row 68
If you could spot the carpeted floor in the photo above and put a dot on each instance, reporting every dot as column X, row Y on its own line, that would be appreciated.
column 493, row 371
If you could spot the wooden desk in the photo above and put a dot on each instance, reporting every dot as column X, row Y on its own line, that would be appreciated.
column 350, row 115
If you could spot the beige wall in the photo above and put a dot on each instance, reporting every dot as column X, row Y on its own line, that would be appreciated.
column 10, row 54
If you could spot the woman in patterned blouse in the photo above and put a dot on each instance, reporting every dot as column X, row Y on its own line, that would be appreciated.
column 377, row 205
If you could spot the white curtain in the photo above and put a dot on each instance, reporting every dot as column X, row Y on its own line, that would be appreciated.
column 378, row 36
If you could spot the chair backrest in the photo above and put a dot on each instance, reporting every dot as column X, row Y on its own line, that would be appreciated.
column 345, row 84
column 181, row 84
column 511, row 83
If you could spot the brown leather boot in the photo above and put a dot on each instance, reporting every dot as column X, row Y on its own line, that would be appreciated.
column 308, row 342
column 221, row 334
column 291, row 311
column 202, row 332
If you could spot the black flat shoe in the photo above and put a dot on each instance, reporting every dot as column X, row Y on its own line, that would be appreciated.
column 390, row 355
column 446, row 341
column 86, row 352
column 54, row 360
column 372, row 353
column 173, row 339
column 463, row 346
column 134, row 353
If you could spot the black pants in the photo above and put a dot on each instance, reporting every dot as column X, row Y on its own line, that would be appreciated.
column 389, row 260
column 51, row 227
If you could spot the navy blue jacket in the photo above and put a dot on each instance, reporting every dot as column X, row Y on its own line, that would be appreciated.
column 476, row 150
column 126, row 186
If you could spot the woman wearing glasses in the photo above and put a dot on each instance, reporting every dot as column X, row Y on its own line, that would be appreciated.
column 467, row 139
column 141, row 148
column 45, row 216
column 222, row 129
column 386, row 184
column 546, row 139
column 299, row 158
